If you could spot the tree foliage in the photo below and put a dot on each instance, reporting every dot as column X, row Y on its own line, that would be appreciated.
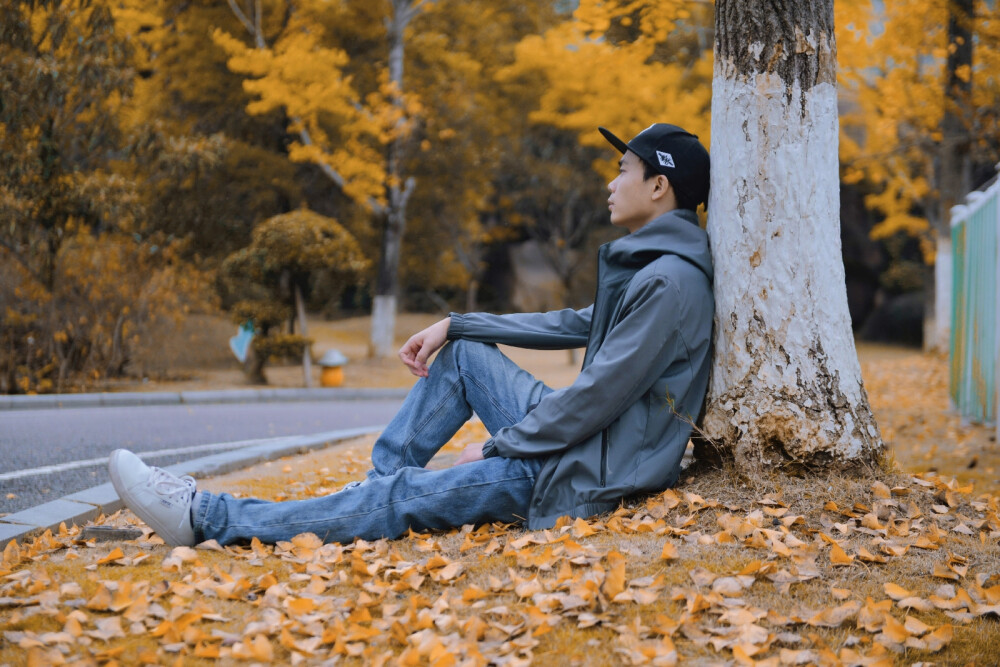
column 183, row 124
column 81, row 282
column 622, row 64
column 270, row 275
column 894, row 76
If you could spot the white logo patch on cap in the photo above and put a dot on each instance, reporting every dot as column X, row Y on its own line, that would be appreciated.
column 666, row 159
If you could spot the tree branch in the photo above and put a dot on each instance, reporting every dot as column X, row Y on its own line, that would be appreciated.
column 256, row 30
column 242, row 17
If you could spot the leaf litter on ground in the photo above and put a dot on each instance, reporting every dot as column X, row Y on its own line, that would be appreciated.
column 880, row 569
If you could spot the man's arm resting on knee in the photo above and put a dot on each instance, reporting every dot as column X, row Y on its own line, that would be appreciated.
column 421, row 345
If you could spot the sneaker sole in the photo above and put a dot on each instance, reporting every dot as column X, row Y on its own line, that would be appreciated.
column 130, row 500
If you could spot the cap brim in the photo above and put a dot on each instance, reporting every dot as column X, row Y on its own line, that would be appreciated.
column 615, row 141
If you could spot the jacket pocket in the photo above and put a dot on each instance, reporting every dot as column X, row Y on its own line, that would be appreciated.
column 605, row 444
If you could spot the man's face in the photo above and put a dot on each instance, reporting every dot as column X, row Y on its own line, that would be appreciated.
column 631, row 202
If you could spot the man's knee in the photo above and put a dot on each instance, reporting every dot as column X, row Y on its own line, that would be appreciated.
column 469, row 354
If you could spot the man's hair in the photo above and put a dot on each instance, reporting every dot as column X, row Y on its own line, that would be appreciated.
column 683, row 200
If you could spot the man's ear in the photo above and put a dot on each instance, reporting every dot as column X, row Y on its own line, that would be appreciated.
column 661, row 187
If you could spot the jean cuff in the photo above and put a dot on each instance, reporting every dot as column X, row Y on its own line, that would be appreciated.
column 490, row 449
column 198, row 515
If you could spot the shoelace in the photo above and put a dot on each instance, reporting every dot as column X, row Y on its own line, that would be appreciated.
column 173, row 487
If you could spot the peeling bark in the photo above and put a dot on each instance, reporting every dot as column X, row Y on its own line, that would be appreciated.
column 786, row 383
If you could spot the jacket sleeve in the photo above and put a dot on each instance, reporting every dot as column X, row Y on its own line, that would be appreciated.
column 636, row 352
column 554, row 330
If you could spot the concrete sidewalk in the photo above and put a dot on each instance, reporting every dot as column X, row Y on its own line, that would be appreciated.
column 50, row 401
column 83, row 506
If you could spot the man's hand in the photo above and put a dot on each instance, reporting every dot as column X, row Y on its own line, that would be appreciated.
column 416, row 351
column 472, row 452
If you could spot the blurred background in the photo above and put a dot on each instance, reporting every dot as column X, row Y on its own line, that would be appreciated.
column 170, row 171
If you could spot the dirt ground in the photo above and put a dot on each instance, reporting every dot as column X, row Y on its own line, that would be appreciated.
column 908, row 389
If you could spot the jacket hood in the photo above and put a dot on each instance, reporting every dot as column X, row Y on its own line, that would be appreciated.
column 673, row 233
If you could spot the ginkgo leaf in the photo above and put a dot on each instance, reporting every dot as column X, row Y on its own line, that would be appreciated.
column 896, row 592
column 614, row 581
column 943, row 571
column 834, row 617
column 838, row 556
column 869, row 557
column 112, row 557
column 940, row 638
column 669, row 551
column 915, row 626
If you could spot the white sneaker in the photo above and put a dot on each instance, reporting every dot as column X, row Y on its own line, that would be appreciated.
column 156, row 496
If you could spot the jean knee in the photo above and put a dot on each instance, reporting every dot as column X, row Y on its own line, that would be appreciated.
column 470, row 354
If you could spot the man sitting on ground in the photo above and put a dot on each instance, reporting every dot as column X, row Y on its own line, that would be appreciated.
column 619, row 430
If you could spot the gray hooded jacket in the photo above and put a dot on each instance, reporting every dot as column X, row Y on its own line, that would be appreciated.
column 622, row 427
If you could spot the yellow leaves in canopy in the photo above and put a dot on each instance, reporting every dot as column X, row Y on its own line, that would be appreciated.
column 892, row 70
column 338, row 126
column 625, row 84
column 307, row 241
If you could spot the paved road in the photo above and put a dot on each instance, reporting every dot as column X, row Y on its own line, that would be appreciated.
column 32, row 439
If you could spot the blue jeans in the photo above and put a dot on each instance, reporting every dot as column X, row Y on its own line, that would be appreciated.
column 400, row 493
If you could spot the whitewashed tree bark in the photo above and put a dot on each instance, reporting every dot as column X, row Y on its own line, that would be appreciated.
column 786, row 384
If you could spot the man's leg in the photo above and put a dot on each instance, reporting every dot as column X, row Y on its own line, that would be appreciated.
column 400, row 493
column 495, row 489
column 465, row 377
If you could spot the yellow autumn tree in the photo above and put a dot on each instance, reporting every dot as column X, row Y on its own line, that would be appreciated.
column 621, row 63
column 80, row 280
column 920, row 80
column 470, row 145
column 271, row 275
column 210, row 170
column 353, row 135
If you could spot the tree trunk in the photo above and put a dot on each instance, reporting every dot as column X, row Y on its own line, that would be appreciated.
column 472, row 296
column 387, row 279
column 954, row 170
column 786, row 384
column 300, row 311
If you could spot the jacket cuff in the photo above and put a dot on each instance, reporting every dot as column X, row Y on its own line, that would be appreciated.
column 457, row 326
column 490, row 449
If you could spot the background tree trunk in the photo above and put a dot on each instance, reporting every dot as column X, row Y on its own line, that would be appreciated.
column 387, row 279
column 786, row 383
column 300, row 312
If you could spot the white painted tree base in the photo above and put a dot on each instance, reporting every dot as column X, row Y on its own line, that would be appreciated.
column 939, row 338
column 383, row 327
column 786, row 382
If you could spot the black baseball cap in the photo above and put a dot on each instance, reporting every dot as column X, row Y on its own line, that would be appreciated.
column 673, row 152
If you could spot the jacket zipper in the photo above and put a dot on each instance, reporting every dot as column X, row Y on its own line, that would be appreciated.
column 604, row 457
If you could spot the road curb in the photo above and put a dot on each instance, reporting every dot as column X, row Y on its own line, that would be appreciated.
column 136, row 398
column 82, row 506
